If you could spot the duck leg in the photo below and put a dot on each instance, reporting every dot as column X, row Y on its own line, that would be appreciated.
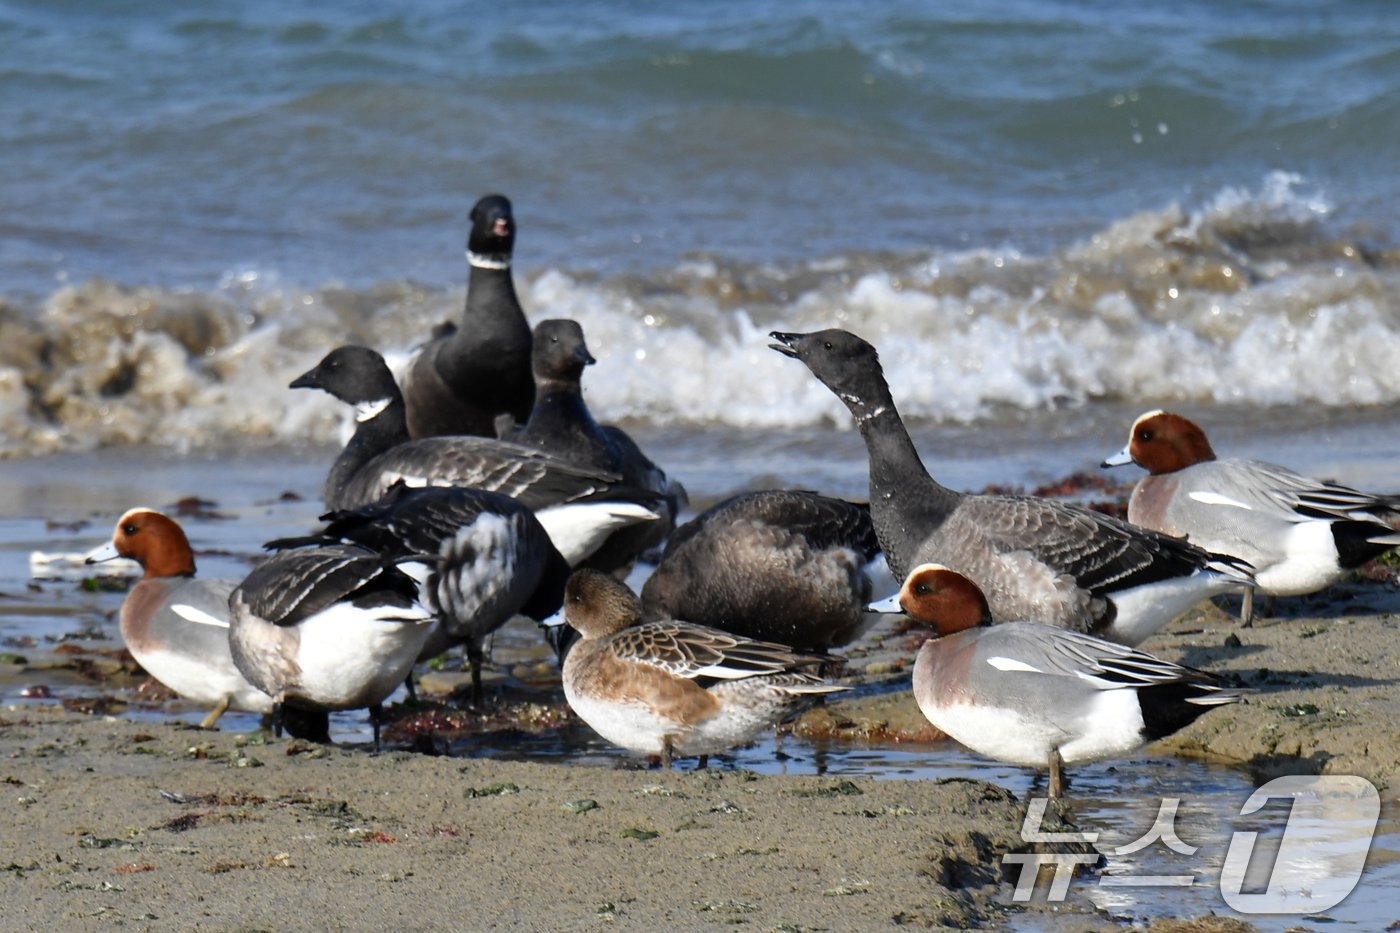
column 703, row 763
column 1247, row 609
column 666, row 753
column 376, row 716
column 277, row 719
column 1057, row 775
column 219, row 709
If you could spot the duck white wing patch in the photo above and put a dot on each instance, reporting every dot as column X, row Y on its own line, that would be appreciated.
column 1215, row 498
column 1011, row 664
column 199, row 616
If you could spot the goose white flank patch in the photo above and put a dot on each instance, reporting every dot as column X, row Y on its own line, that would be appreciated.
column 1040, row 696
column 174, row 624
column 1035, row 558
column 578, row 529
column 380, row 454
column 330, row 628
column 1299, row 534
column 671, row 688
column 473, row 372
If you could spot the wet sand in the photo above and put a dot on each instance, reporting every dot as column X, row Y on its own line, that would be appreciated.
column 253, row 833
column 166, row 827
column 163, row 826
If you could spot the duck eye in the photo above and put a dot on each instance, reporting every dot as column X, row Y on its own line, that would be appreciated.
column 922, row 589
column 130, row 529
column 827, row 345
column 1144, row 435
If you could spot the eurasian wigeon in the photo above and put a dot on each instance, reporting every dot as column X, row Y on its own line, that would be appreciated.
column 479, row 558
column 672, row 688
column 380, row 455
column 331, row 628
column 1299, row 534
column 1039, row 696
column 175, row 625
column 462, row 380
column 561, row 424
column 781, row 565
column 1035, row 558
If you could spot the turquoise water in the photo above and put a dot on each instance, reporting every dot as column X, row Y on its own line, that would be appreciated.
column 152, row 143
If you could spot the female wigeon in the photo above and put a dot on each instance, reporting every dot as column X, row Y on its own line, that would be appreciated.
column 1036, row 695
column 330, row 628
column 174, row 625
column 460, row 381
column 1299, row 534
column 1035, row 558
column 780, row 565
column 671, row 688
column 579, row 505
column 478, row 557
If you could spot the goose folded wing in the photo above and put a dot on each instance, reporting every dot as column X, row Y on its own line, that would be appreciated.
column 1101, row 553
column 531, row 476
column 292, row 586
column 824, row 521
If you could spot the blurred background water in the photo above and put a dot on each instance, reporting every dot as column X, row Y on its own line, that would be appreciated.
column 1028, row 205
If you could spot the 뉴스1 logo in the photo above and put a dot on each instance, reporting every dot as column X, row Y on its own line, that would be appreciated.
column 1318, row 861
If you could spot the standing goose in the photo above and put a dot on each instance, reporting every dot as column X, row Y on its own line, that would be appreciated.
column 478, row 557
column 330, row 628
column 561, row 424
column 1034, row 558
column 579, row 506
column 461, row 381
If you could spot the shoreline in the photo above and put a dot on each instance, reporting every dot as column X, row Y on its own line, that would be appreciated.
column 320, row 831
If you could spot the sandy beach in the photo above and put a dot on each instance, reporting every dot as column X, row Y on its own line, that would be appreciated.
column 116, row 821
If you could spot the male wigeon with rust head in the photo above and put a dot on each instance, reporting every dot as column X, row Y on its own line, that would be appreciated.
column 1299, row 534
column 670, row 688
column 174, row 625
column 1035, row 695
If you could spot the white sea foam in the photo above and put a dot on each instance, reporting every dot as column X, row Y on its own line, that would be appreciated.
column 1246, row 300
